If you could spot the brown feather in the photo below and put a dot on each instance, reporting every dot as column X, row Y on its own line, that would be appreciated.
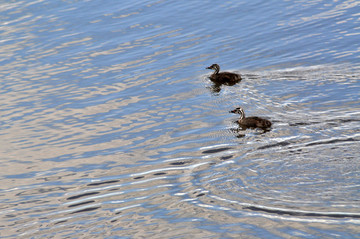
column 252, row 121
column 223, row 77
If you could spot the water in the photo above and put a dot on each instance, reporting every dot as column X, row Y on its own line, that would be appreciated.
column 110, row 127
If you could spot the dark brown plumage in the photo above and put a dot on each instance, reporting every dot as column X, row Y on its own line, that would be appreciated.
column 251, row 122
column 223, row 77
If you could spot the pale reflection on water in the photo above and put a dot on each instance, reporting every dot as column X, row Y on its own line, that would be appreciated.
column 110, row 126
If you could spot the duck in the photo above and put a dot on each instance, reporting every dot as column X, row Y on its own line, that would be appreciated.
column 252, row 121
column 223, row 77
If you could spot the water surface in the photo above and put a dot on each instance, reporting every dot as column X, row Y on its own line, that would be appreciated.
column 111, row 128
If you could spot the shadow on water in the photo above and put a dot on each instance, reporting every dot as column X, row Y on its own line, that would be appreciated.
column 241, row 131
column 299, row 213
column 215, row 87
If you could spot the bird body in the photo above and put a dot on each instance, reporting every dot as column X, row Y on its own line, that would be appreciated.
column 252, row 121
column 223, row 77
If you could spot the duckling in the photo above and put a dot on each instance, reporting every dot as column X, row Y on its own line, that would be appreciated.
column 223, row 77
column 251, row 122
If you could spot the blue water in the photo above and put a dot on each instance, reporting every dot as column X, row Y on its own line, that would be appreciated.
column 110, row 127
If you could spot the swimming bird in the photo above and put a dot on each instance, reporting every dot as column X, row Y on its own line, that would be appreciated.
column 252, row 121
column 228, row 78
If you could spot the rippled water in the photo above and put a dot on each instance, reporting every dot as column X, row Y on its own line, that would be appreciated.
column 110, row 127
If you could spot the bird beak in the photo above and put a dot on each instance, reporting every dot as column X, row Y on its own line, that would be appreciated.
column 208, row 67
column 232, row 111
